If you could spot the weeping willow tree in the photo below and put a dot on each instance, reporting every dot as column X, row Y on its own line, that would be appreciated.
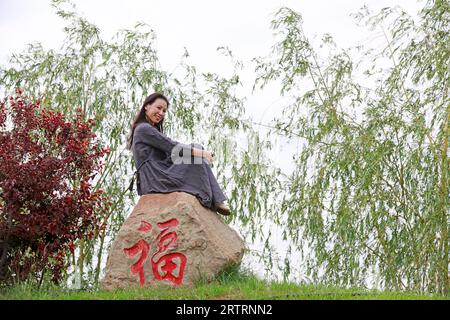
column 369, row 194
column 109, row 80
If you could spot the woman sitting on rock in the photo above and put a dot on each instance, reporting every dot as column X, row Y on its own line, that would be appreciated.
column 164, row 165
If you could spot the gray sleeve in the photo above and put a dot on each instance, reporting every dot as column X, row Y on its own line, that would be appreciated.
column 147, row 134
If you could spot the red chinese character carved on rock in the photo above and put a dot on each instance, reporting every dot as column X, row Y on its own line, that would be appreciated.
column 164, row 268
column 138, row 267
column 167, row 263
column 145, row 227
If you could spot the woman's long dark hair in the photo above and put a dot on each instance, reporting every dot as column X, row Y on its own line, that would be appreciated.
column 140, row 117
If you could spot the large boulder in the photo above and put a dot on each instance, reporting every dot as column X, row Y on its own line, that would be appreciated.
column 172, row 239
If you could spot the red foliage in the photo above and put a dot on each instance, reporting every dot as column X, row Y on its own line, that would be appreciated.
column 47, row 201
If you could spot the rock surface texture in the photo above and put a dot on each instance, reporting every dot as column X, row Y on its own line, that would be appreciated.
column 171, row 239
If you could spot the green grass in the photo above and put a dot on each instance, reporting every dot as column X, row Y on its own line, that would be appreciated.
column 230, row 285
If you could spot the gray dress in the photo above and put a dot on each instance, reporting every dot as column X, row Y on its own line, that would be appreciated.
column 157, row 173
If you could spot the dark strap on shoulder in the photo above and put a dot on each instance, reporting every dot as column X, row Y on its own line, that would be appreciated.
column 136, row 175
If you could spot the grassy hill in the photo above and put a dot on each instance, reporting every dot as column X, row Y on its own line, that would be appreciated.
column 229, row 286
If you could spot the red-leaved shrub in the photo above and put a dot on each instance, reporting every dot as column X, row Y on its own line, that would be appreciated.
column 47, row 164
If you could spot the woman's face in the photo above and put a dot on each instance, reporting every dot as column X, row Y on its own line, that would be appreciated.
column 156, row 111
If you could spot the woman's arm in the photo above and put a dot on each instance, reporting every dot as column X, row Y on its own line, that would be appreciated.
column 149, row 135
column 145, row 133
column 203, row 154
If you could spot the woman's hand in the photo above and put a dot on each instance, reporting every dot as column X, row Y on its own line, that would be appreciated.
column 208, row 156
